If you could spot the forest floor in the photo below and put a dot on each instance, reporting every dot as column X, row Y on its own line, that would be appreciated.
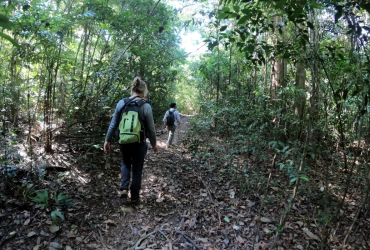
column 185, row 204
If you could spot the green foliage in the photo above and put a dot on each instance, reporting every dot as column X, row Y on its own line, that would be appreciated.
column 79, row 60
column 251, row 21
column 41, row 198
column 196, row 135
column 325, row 217
column 28, row 190
column 45, row 200
column 4, row 22
column 7, row 24
column 61, row 202
column 55, row 215
column 6, row 37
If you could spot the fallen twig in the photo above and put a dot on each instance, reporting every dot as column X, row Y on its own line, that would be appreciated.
column 143, row 238
column 214, row 203
column 182, row 220
column 169, row 242
column 188, row 239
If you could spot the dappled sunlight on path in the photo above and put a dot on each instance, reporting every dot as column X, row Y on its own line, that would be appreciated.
column 183, row 206
column 210, row 200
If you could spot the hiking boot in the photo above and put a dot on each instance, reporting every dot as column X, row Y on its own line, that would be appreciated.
column 123, row 193
column 135, row 201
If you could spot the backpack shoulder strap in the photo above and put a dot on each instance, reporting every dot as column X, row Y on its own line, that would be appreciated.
column 140, row 103
column 126, row 101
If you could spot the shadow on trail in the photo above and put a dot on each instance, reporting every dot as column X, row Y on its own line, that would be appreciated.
column 182, row 207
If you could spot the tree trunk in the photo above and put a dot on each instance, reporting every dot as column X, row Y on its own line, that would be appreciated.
column 314, row 70
column 278, row 69
column 218, row 75
column 13, row 89
column 277, row 74
column 300, row 80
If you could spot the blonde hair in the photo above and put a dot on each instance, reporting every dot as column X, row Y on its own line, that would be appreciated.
column 139, row 86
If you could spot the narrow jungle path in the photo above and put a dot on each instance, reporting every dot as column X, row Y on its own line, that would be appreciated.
column 186, row 203
column 212, row 200
column 184, row 206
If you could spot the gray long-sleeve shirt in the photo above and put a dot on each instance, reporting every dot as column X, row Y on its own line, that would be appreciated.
column 147, row 120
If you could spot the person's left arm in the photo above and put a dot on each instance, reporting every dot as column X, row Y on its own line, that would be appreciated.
column 178, row 117
column 114, row 123
column 149, row 125
column 165, row 118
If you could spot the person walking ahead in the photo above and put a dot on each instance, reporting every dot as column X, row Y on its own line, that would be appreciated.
column 133, row 153
column 171, row 119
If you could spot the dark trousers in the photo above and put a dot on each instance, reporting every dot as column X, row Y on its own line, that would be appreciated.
column 132, row 160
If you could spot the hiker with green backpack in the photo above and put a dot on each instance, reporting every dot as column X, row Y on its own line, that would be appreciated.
column 134, row 118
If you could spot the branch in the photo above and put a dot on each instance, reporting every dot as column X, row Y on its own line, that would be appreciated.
column 173, row 59
column 138, row 243
column 188, row 239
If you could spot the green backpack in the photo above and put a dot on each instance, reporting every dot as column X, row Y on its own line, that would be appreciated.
column 131, row 127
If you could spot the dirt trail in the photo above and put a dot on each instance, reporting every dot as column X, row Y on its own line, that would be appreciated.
column 166, row 206
column 223, row 201
column 184, row 205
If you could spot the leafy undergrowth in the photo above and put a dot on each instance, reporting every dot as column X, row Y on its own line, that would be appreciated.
column 187, row 203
